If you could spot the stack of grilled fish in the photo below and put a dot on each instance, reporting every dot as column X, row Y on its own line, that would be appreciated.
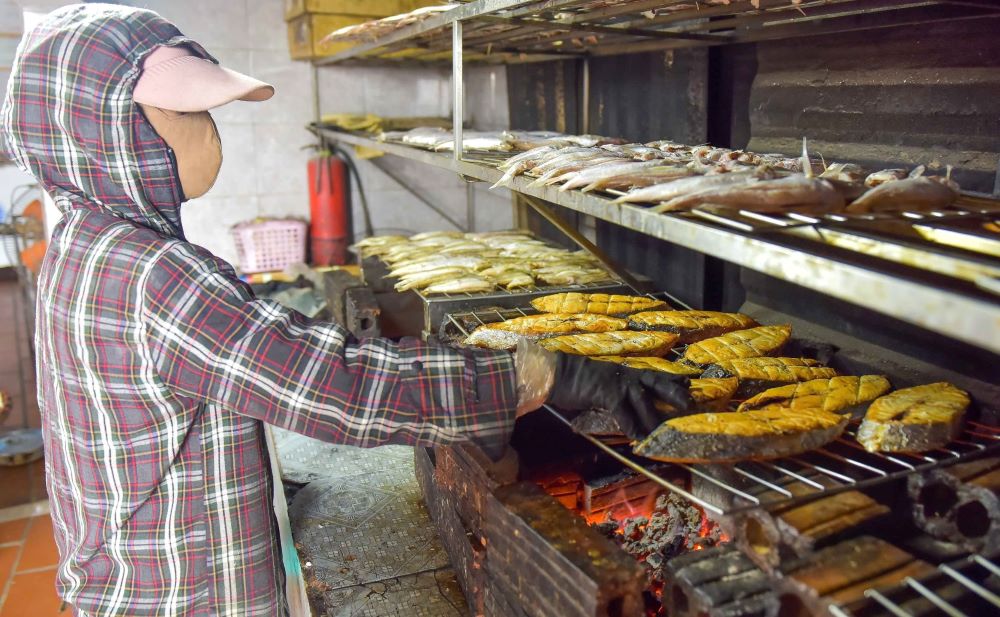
column 674, row 177
column 456, row 262
column 750, row 403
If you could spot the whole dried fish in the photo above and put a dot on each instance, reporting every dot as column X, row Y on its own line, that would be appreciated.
column 559, row 172
column 605, row 170
column 883, row 176
column 797, row 191
column 466, row 284
column 479, row 141
column 468, row 262
column 919, row 194
column 426, row 278
column 639, row 178
column 658, row 193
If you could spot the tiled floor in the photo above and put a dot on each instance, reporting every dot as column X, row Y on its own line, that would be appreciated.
column 28, row 561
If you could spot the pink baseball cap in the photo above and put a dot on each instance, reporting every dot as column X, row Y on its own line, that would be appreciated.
column 175, row 79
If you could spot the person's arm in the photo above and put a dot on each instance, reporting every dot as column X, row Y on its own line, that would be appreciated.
column 211, row 340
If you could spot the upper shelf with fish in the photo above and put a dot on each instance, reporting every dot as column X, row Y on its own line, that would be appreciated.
column 892, row 280
column 512, row 31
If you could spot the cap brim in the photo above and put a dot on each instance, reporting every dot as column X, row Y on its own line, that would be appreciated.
column 190, row 84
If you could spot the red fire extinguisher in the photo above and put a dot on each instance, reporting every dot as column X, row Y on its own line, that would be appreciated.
column 329, row 206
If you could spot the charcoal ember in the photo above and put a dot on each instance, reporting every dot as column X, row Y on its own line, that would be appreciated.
column 608, row 529
column 634, row 528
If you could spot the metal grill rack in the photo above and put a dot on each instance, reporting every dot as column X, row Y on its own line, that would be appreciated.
column 837, row 467
column 507, row 31
column 969, row 574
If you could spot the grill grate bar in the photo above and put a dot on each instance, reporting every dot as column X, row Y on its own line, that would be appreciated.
column 976, row 588
column 935, row 599
column 986, row 564
column 721, row 484
column 850, row 466
column 638, row 468
column 886, row 603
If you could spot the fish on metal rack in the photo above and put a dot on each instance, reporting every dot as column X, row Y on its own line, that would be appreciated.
column 425, row 278
column 489, row 141
column 733, row 436
column 914, row 419
column 760, row 341
column 618, row 343
column 491, row 338
column 779, row 195
column 599, row 303
column 560, row 172
column 883, row 176
column 469, row 262
column 639, row 178
column 603, row 170
column 638, row 152
column 844, row 394
column 916, row 193
column 664, row 192
column 559, row 323
column 528, row 161
column 466, row 284
column 691, row 326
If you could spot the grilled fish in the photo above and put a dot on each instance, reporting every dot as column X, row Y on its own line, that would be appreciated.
column 692, row 326
column 559, row 323
column 749, row 343
column 466, row 284
column 601, row 304
column 650, row 364
column 492, row 338
column 914, row 419
column 420, row 280
column 843, row 394
column 708, row 395
column 622, row 343
column 883, row 176
column 758, row 374
column 737, row 436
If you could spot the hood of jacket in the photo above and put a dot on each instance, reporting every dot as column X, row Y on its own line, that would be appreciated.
column 69, row 120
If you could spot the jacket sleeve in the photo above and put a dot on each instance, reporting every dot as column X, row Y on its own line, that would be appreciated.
column 210, row 339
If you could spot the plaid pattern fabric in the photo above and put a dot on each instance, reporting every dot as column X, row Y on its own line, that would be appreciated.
column 157, row 366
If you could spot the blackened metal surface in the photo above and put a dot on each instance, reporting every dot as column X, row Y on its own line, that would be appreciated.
column 893, row 96
column 544, row 96
column 650, row 96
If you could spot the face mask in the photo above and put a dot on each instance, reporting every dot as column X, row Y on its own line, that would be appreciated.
column 195, row 141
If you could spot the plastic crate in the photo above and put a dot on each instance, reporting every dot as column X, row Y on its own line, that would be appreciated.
column 271, row 245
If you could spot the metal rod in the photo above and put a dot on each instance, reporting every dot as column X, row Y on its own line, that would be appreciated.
column 585, row 96
column 978, row 589
column 457, row 89
column 635, row 467
column 470, row 206
column 986, row 564
column 773, row 487
column 886, row 603
column 935, row 599
column 562, row 225
column 413, row 191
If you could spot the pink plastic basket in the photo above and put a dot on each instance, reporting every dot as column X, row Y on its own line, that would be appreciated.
column 270, row 245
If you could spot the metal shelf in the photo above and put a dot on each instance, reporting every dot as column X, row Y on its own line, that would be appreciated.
column 935, row 302
column 511, row 31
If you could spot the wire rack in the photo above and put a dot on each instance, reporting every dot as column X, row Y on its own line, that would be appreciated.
column 840, row 466
column 969, row 574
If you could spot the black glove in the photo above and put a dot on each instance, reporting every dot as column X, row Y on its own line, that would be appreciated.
column 581, row 383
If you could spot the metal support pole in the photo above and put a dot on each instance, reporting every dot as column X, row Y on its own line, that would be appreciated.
column 585, row 97
column 457, row 89
column 470, row 206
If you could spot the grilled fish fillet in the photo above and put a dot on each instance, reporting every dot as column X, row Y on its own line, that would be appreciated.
column 558, row 323
column 625, row 343
column 740, row 344
column 835, row 395
column 737, row 436
column 709, row 395
column 601, row 304
column 758, row 374
column 914, row 419
column 651, row 364
column 491, row 338
column 692, row 326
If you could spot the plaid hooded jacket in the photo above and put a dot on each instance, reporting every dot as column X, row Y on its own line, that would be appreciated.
column 156, row 365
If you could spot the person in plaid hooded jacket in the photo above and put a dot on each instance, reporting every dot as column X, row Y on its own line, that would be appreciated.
column 157, row 366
